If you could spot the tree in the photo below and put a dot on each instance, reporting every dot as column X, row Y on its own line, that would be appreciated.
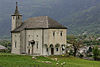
column 7, row 44
column 76, row 46
column 96, row 53
column 75, row 43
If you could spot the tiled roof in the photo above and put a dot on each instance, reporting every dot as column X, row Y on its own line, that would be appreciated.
column 2, row 47
column 40, row 22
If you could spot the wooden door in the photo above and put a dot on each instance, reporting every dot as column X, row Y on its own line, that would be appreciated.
column 52, row 51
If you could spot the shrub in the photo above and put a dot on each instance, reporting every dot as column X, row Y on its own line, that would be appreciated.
column 96, row 53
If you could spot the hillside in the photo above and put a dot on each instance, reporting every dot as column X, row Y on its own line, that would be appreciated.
column 86, row 21
column 61, row 10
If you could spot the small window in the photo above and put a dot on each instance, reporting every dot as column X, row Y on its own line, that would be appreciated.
column 29, row 35
column 15, row 35
column 37, row 35
column 29, row 43
column 53, row 33
column 13, row 17
column 15, row 44
column 60, row 33
column 18, row 17
column 37, row 45
column 56, row 49
column 47, row 49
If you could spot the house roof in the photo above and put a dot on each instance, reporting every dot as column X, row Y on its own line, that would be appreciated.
column 2, row 47
column 41, row 22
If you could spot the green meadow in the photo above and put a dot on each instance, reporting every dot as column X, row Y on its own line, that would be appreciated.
column 11, row 60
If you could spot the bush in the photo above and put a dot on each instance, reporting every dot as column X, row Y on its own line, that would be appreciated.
column 81, row 56
column 96, row 53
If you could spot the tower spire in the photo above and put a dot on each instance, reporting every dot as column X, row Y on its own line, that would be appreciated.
column 16, row 18
column 16, row 10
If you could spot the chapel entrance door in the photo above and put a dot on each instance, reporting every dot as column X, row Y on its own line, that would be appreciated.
column 52, row 51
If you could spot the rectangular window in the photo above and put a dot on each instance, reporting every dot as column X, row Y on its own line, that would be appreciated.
column 28, row 43
column 63, row 49
column 61, row 33
column 15, row 44
column 53, row 33
column 13, row 17
column 37, row 45
column 56, row 49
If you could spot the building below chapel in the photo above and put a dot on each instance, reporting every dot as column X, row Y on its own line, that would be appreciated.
column 37, row 36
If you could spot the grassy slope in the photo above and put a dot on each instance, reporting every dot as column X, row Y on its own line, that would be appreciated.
column 8, row 60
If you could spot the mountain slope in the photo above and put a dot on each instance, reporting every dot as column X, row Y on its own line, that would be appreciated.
column 84, row 21
column 56, row 9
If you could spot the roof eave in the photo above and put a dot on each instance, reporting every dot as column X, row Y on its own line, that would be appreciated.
column 16, row 15
column 15, row 31
column 44, row 28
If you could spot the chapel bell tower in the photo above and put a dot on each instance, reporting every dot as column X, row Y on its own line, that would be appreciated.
column 16, row 18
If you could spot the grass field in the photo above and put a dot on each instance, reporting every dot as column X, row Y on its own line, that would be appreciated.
column 10, row 60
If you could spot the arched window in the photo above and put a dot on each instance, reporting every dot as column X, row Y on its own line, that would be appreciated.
column 57, row 45
column 51, row 45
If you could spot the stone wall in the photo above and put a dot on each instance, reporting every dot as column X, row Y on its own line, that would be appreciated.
column 23, row 41
column 46, row 40
column 35, row 35
column 13, row 22
column 43, row 39
column 16, row 43
column 55, row 37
